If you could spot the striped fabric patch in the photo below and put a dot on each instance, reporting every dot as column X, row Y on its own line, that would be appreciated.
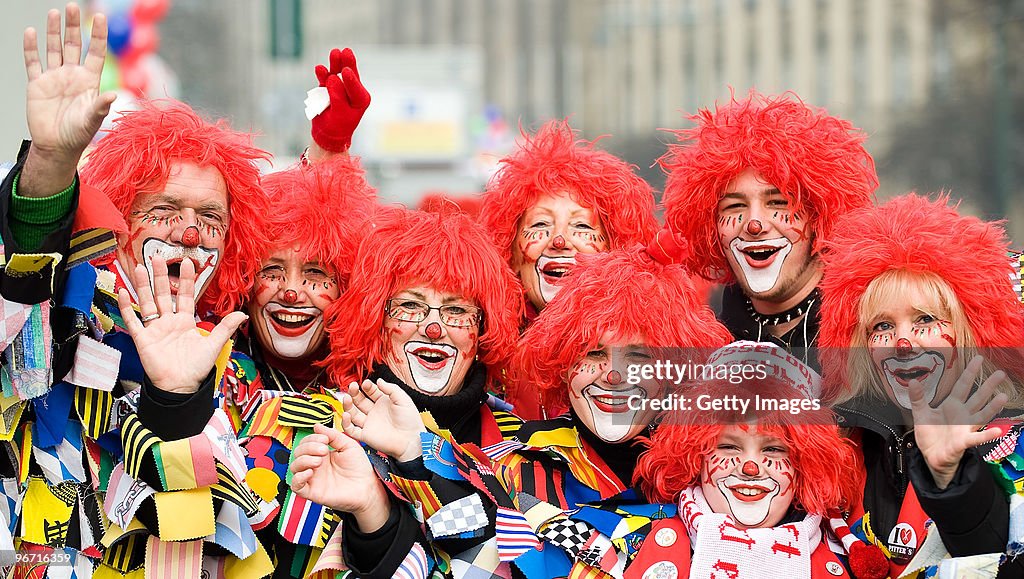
column 96, row 365
column 1017, row 263
column 89, row 244
column 331, row 558
column 415, row 565
column 301, row 412
column 228, row 489
column 301, row 520
column 508, row 423
column 126, row 554
column 514, row 534
column 137, row 440
column 172, row 560
column 418, row 491
column 185, row 464
column 265, row 422
column 94, row 409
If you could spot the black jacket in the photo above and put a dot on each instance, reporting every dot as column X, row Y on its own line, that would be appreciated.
column 801, row 341
column 972, row 513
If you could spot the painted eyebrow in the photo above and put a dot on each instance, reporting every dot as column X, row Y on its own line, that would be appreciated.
column 457, row 299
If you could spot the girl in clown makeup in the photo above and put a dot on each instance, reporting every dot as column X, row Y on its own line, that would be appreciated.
column 921, row 342
column 758, row 491
column 617, row 309
column 556, row 197
column 426, row 326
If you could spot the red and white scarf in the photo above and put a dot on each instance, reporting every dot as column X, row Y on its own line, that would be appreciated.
column 723, row 550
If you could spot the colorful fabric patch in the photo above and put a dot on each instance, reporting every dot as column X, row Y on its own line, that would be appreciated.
column 64, row 461
column 419, row 492
column 185, row 515
column 52, row 415
column 124, row 496
column 415, row 565
column 171, row 560
column 28, row 356
column 137, row 440
column 234, row 532
column 94, row 409
column 302, row 412
column 464, row 515
column 11, row 408
column 300, row 520
column 10, row 503
column 185, row 464
column 480, row 561
column 95, row 365
column 514, row 534
column 46, row 512
column 225, row 444
column 439, row 456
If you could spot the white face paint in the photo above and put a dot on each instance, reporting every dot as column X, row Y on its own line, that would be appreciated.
column 761, row 261
column 549, row 271
column 600, row 395
column 926, row 367
column 431, row 365
column 749, row 499
column 291, row 329
column 204, row 259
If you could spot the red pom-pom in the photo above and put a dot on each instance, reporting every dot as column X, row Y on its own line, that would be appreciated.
column 868, row 561
column 668, row 248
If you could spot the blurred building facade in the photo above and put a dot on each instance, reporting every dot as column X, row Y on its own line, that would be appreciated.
column 930, row 80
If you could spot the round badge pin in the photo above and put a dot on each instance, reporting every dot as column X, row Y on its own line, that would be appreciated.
column 662, row 570
column 665, row 537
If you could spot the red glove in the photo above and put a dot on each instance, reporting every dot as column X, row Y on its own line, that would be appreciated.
column 333, row 128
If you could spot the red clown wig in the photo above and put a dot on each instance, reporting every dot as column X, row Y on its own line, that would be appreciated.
column 325, row 209
column 445, row 251
column 914, row 235
column 624, row 292
column 555, row 161
column 136, row 157
column 825, row 464
column 818, row 161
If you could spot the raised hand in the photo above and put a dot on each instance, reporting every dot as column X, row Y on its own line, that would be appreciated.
column 349, row 99
column 945, row 432
column 384, row 417
column 173, row 352
column 64, row 107
column 330, row 468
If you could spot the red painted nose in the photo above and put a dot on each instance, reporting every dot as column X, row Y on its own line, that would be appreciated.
column 750, row 468
column 903, row 347
column 558, row 242
column 614, row 378
column 433, row 330
column 754, row 227
column 190, row 238
column 290, row 297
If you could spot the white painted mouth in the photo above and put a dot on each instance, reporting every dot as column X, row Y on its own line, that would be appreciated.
column 431, row 364
column 926, row 367
column 205, row 261
column 761, row 261
column 613, row 417
column 291, row 328
column 549, row 271
column 752, row 509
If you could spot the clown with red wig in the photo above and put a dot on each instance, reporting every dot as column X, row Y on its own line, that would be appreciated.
column 618, row 308
column 760, row 490
column 922, row 341
column 557, row 196
column 756, row 187
column 424, row 330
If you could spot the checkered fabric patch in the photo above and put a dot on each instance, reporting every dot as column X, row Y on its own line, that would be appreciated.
column 465, row 514
column 568, row 535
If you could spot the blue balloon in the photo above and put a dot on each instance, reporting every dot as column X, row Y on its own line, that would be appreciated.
column 119, row 33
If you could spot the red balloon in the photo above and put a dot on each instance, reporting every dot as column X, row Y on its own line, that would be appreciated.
column 149, row 10
column 145, row 39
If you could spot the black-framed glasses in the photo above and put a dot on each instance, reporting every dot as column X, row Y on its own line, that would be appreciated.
column 452, row 315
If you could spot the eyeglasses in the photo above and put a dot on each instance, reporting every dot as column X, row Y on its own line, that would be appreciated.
column 452, row 315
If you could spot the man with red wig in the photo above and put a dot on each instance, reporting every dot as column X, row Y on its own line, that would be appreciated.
column 756, row 187
column 190, row 193
column 555, row 197
column 922, row 345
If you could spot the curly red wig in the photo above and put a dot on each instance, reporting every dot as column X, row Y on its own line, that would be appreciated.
column 136, row 157
column 621, row 291
column 914, row 234
column 554, row 160
column 826, row 465
column 446, row 251
column 817, row 160
column 325, row 207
